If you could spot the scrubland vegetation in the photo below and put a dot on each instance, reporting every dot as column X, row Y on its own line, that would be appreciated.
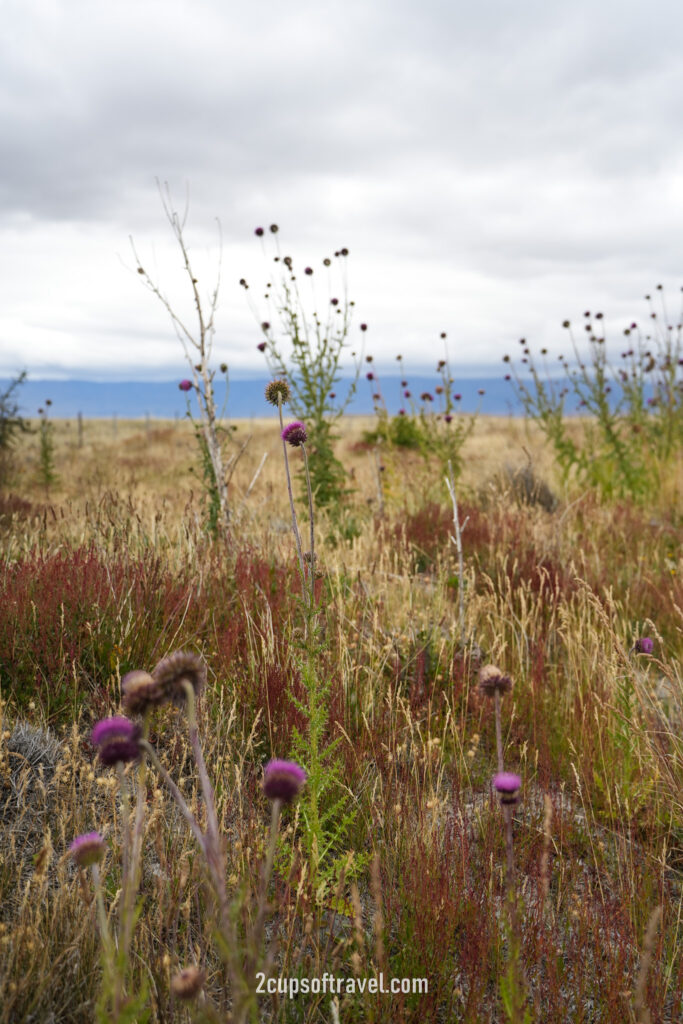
column 393, row 859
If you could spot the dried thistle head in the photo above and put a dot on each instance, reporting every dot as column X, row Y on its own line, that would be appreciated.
column 278, row 392
column 171, row 672
column 492, row 681
column 141, row 691
column 188, row 983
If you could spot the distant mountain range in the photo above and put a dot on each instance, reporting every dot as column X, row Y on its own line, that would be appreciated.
column 163, row 399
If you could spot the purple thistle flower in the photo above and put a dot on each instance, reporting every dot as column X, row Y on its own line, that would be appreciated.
column 645, row 645
column 283, row 780
column 87, row 849
column 401, row 412
column 333, row 394
column 363, row 327
column 308, row 270
column 426, row 397
column 295, row 434
column 258, row 232
column 507, row 785
column 334, row 302
column 448, row 418
column 185, row 385
column 404, row 383
column 406, row 394
column 262, row 346
column 457, row 397
column 117, row 740
column 370, row 376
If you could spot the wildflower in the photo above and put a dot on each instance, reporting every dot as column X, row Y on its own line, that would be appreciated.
column 308, row 270
column 294, row 434
column 334, row 302
column 283, row 780
column 401, row 412
column 457, row 397
column 224, row 367
column 363, row 327
column 406, row 394
column 508, row 785
column 189, row 983
column 645, row 645
column 344, row 251
column 370, row 376
column 481, row 391
column 426, row 397
column 274, row 229
column 278, row 391
column 448, row 418
column 327, row 261
column 185, row 385
column 258, row 232
column 140, row 691
column 404, row 383
column 87, row 849
column 265, row 326
column 333, row 394
column 177, row 668
column 492, row 681
column 262, row 346
column 117, row 740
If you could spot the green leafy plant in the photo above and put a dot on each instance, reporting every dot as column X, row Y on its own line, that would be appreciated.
column 431, row 426
column 46, row 462
column 317, row 343
column 11, row 425
column 634, row 427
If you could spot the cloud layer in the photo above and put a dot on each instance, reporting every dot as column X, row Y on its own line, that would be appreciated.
column 492, row 169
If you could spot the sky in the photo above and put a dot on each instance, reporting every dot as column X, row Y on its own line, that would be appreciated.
column 493, row 169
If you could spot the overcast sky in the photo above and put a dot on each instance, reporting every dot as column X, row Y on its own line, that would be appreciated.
column 492, row 167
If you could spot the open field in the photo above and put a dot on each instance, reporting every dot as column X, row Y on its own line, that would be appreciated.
column 110, row 570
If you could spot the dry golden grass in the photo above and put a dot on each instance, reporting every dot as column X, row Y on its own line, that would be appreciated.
column 554, row 597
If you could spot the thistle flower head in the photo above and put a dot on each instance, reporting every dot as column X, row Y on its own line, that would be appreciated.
column 283, row 780
column 177, row 668
column 507, row 785
column 188, row 983
column 492, row 681
column 278, row 392
column 140, row 691
column 295, row 434
column 117, row 740
column 644, row 645
column 87, row 849
column 185, row 385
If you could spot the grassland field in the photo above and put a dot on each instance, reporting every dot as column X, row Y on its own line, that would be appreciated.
column 110, row 569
